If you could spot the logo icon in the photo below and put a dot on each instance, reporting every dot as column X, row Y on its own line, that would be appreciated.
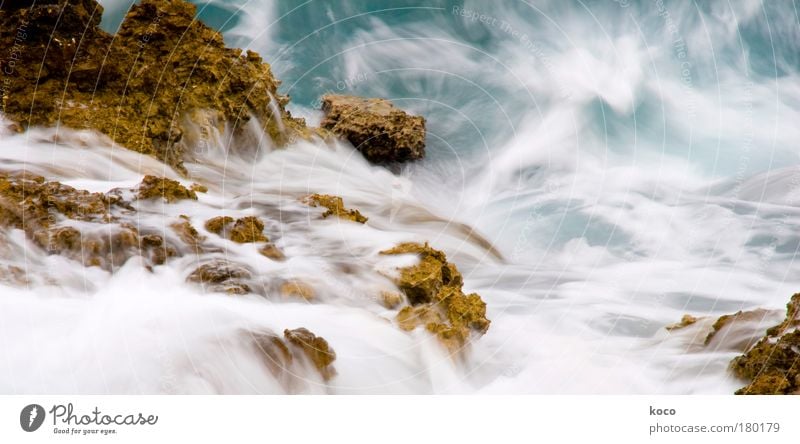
column 31, row 417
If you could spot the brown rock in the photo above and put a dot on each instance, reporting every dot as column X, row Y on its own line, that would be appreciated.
column 222, row 276
column 139, row 87
column 188, row 233
column 272, row 251
column 294, row 288
column 686, row 321
column 218, row 224
column 434, row 290
column 315, row 348
column 335, row 207
column 248, row 229
column 375, row 127
column 168, row 189
column 772, row 365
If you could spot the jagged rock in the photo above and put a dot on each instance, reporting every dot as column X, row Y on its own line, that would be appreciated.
column 335, row 207
column 140, row 87
column 772, row 365
column 222, row 276
column 248, row 229
column 382, row 132
column 243, row 230
column 217, row 224
column 167, row 189
column 686, row 321
column 315, row 348
column 434, row 290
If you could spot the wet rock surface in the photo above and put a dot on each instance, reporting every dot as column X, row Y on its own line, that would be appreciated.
column 141, row 86
column 379, row 130
column 315, row 348
column 334, row 207
column 279, row 353
column 74, row 223
column 772, row 365
column 433, row 288
column 153, row 187
column 222, row 276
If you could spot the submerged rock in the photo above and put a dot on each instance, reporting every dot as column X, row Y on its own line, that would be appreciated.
column 222, row 276
column 141, row 86
column 315, row 348
column 379, row 130
column 772, row 365
column 686, row 321
column 335, row 207
column 434, row 290
column 294, row 288
column 296, row 345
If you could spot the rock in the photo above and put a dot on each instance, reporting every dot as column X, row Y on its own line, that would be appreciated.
column 222, row 276
column 382, row 132
column 243, row 230
column 772, row 365
column 295, row 288
column 248, row 229
column 170, row 190
column 43, row 210
column 272, row 251
column 434, row 290
column 391, row 299
column 188, row 234
column 276, row 354
column 335, row 207
column 315, row 348
column 217, row 224
column 686, row 321
column 198, row 188
column 140, row 87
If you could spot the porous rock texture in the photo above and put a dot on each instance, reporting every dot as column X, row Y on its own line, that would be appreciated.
column 772, row 365
column 140, row 87
column 433, row 288
column 379, row 130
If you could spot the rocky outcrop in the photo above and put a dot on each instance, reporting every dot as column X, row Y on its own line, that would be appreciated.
column 48, row 211
column 167, row 189
column 334, row 207
column 433, row 288
column 772, row 365
column 379, row 130
column 142, row 86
